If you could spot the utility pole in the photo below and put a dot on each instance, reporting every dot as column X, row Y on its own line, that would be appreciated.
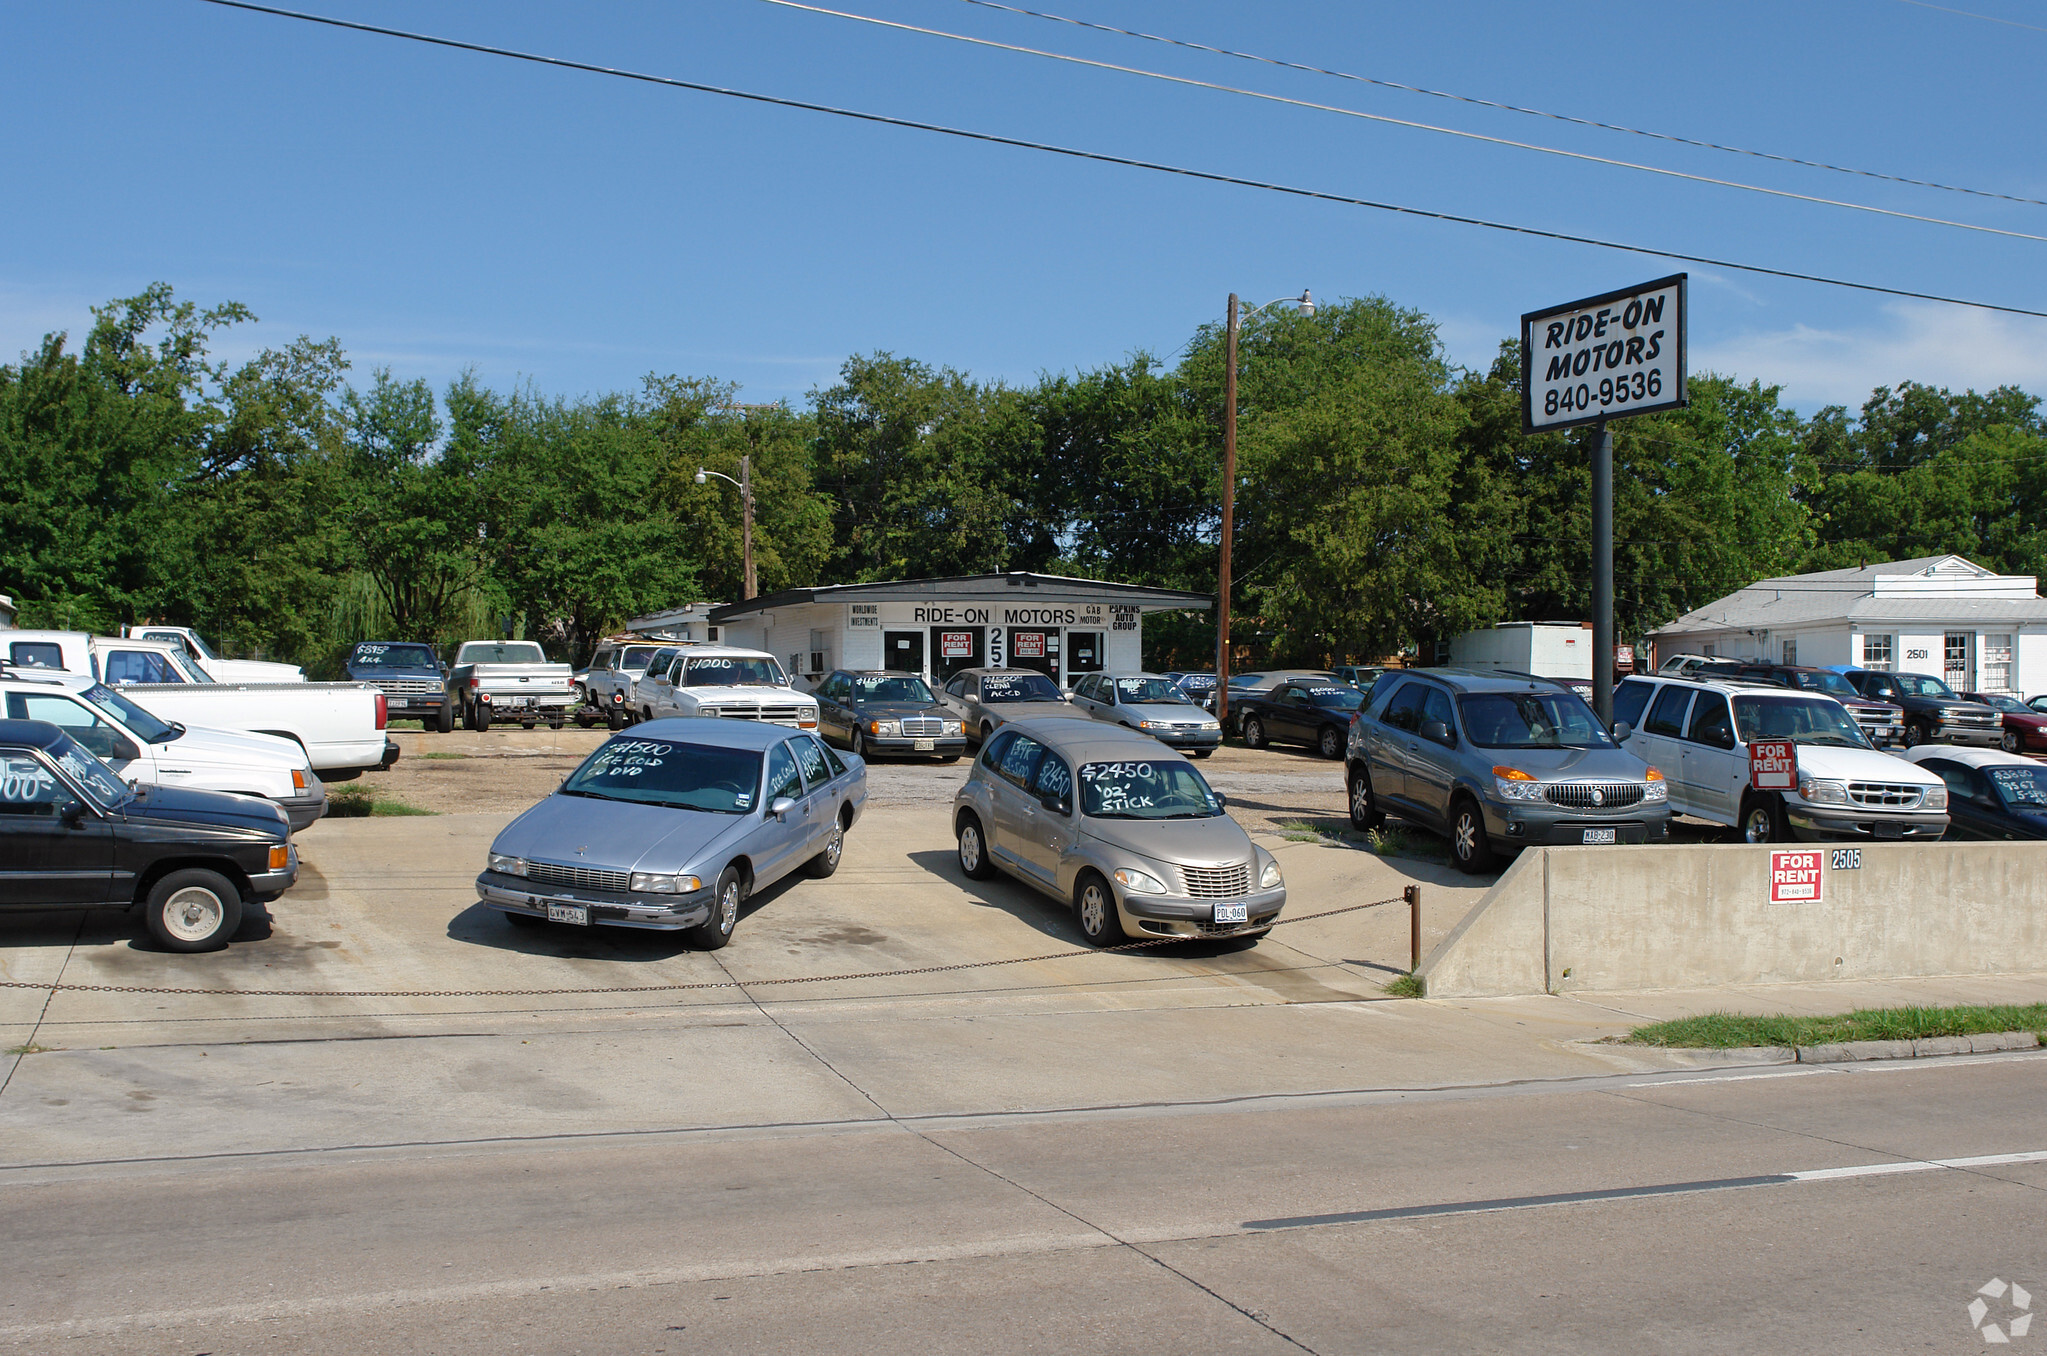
column 1602, row 573
column 746, row 530
column 1222, row 583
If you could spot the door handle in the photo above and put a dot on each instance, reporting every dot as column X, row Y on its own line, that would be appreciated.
column 1029, row 813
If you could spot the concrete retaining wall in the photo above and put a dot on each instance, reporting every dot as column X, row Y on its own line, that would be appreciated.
column 1563, row 919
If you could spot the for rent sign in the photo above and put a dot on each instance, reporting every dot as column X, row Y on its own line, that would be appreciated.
column 1773, row 765
column 1620, row 353
column 1795, row 876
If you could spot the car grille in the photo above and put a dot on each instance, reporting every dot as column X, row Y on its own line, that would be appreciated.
column 1218, row 882
column 1989, row 722
column 1594, row 795
column 923, row 726
column 406, row 687
column 773, row 715
column 1890, row 795
column 584, row 877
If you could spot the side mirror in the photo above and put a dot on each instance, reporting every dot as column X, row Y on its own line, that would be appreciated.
column 781, row 805
column 1221, row 800
column 71, row 813
column 1621, row 731
column 123, row 751
column 1438, row 732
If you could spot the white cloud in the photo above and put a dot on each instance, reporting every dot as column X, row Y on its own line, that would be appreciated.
column 1952, row 346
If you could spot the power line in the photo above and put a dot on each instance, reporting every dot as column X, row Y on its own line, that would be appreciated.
column 1404, row 122
column 1517, row 108
column 1102, row 157
column 1967, row 14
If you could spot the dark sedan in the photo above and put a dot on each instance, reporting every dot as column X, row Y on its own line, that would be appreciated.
column 1311, row 711
column 73, row 835
column 2025, row 727
column 873, row 711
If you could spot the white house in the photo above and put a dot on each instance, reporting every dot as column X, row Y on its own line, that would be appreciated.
column 6, row 612
column 1942, row 616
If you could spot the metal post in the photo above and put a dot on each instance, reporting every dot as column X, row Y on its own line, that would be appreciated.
column 1414, row 927
column 746, row 529
column 1222, row 583
column 1602, row 572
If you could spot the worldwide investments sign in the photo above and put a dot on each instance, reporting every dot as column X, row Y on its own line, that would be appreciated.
column 1603, row 357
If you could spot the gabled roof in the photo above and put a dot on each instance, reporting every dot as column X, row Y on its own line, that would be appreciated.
column 1892, row 590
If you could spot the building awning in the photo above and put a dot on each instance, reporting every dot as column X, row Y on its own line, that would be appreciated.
column 1012, row 587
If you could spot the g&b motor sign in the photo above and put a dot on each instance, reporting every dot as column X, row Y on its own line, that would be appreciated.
column 1619, row 353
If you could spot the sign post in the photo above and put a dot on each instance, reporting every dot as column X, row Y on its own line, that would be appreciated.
column 1584, row 362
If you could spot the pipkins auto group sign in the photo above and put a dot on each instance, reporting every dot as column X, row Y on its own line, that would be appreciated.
column 1620, row 353
column 1795, row 876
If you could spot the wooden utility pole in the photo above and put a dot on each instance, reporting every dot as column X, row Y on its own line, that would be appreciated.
column 746, row 529
column 1222, row 583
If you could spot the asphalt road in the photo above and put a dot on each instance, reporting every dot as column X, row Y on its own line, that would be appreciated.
column 1624, row 1213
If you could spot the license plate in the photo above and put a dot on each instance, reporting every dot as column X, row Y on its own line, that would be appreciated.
column 924, row 745
column 1884, row 830
column 569, row 913
column 1232, row 913
column 1598, row 836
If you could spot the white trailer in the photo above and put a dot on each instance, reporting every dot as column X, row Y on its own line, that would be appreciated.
column 1546, row 649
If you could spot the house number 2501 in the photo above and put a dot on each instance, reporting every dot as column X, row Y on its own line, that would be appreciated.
column 1917, row 654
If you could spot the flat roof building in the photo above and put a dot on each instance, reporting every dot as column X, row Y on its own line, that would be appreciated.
column 1941, row 616
column 1059, row 626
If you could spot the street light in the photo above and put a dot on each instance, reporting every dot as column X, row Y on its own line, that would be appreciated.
column 1306, row 303
column 745, row 484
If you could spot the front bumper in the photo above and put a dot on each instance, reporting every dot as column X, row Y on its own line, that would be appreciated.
column 1187, row 739
column 1182, row 916
column 1534, row 824
column 661, row 913
column 1815, row 824
column 1978, row 736
column 268, row 885
column 941, row 746
column 305, row 810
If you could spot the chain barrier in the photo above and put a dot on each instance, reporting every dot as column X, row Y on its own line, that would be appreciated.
column 701, row 984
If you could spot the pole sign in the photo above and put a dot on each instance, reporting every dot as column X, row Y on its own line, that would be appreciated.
column 1772, row 765
column 1606, row 356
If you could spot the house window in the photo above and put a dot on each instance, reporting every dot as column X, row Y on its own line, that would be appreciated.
column 1876, row 653
column 1706, row 651
column 1997, row 663
column 1790, row 652
column 1955, row 665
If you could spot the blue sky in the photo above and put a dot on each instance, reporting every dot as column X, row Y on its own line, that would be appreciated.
column 439, row 210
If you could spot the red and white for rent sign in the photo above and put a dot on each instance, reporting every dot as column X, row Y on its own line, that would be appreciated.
column 1795, row 876
column 1773, row 764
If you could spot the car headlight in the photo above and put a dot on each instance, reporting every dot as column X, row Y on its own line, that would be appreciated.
column 1654, row 788
column 1514, row 784
column 1822, row 792
column 1211, row 727
column 1269, row 878
column 708, row 711
column 1151, row 725
column 1936, row 797
column 884, row 727
column 953, row 727
column 1138, row 883
column 664, row 883
column 510, row 866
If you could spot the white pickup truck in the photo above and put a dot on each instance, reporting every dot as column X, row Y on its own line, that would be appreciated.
column 339, row 725
column 718, row 680
column 220, row 670
column 510, row 680
column 143, row 749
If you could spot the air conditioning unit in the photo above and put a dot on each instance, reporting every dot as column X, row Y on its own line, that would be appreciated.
column 820, row 660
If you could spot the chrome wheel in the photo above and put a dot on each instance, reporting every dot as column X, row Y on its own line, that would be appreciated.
column 1467, row 837
column 970, row 848
column 1254, row 732
column 834, row 846
column 2012, row 742
column 728, row 907
column 1332, row 745
column 1363, row 813
column 1758, row 825
column 194, row 914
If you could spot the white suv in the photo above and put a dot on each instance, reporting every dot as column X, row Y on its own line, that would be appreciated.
column 719, row 680
column 1699, row 732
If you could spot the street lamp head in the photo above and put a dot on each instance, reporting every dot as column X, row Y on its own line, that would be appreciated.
column 1307, row 303
column 701, row 477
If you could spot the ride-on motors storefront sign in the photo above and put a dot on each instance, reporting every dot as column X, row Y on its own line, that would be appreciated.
column 1795, row 876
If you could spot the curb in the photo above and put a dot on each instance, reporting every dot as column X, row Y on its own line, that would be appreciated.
column 1984, row 1044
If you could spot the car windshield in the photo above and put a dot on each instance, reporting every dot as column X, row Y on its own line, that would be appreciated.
column 1019, row 687
column 1805, row 720
column 505, row 652
column 1145, row 790
column 2003, row 702
column 1336, row 698
column 662, row 772
column 100, row 781
column 892, row 689
column 724, row 670
column 124, row 712
column 1198, row 682
column 381, row 656
column 1918, row 685
column 1531, row 720
column 2023, row 788
column 1139, row 691
column 1833, row 684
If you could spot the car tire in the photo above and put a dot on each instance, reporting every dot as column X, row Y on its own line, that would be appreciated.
column 1254, row 733
column 827, row 861
column 859, row 744
column 1094, row 904
column 193, row 910
column 1470, row 847
column 482, row 717
column 1201, row 753
column 975, row 863
column 445, row 721
column 987, row 732
column 1762, row 820
column 614, row 718
column 950, row 758
column 1914, row 734
column 524, row 920
column 1330, row 744
column 2013, row 743
column 726, row 897
column 1364, row 806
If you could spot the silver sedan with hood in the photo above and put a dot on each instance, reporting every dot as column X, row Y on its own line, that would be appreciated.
column 1122, row 829
column 672, row 824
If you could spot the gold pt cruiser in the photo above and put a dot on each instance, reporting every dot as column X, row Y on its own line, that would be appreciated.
column 1123, row 829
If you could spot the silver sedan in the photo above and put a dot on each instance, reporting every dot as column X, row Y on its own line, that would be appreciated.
column 1122, row 829
column 1151, row 704
column 672, row 824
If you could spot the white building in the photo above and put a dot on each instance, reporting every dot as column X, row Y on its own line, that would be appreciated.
column 6, row 612
column 1941, row 616
column 936, row 627
column 692, row 621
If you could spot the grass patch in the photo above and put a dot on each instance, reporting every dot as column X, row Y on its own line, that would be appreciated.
column 1389, row 840
column 28, row 1049
column 1726, row 1030
column 1299, row 831
column 361, row 802
column 1409, row 986
column 438, row 753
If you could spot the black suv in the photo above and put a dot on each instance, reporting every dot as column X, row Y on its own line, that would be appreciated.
column 73, row 835
column 413, row 681
column 1934, row 714
column 1882, row 722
